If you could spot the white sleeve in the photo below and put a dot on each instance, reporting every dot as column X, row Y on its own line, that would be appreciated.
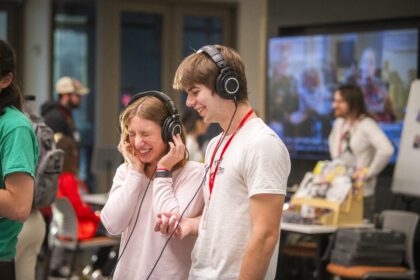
column 127, row 188
column 266, row 167
column 383, row 147
column 164, row 199
column 332, row 140
column 173, row 195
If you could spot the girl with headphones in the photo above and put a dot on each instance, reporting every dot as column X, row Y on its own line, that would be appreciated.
column 156, row 177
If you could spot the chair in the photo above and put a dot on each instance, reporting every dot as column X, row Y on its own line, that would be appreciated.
column 297, row 261
column 402, row 221
column 63, row 231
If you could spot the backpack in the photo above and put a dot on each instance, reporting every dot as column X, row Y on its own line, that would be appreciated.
column 50, row 163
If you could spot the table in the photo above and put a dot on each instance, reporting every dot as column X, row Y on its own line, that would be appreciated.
column 96, row 199
column 321, row 234
column 308, row 229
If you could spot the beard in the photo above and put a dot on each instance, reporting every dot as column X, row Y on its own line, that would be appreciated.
column 73, row 105
column 340, row 114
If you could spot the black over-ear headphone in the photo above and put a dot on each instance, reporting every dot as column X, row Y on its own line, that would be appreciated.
column 227, row 82
column 171, row 125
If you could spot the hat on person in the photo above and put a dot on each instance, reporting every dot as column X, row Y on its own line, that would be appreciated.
column 67, row 85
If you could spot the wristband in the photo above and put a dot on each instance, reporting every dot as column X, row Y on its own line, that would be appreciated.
column 163, row 174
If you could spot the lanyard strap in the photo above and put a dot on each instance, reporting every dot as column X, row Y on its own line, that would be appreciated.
column 212, row 178
column 340, row 140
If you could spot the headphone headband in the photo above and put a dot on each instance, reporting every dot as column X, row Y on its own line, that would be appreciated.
column 171, row 125
column 159, row 95
column 215, row 55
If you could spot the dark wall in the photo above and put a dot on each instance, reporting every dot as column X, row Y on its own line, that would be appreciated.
column 283, row 13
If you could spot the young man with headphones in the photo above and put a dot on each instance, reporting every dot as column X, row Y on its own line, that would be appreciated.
column 247, row 170
column 156, row 177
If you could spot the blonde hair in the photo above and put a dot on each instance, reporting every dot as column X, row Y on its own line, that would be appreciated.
column 153, row 109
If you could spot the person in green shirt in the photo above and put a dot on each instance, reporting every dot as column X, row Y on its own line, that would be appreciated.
column 18, row 158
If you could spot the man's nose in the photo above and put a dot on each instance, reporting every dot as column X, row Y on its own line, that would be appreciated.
column 190, row 100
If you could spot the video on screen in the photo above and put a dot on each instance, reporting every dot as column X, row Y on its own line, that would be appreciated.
column 304, row 71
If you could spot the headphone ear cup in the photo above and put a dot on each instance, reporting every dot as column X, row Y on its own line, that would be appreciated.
column 227, row 84
column 166, row 137
column 174, row 128
column 171, row 127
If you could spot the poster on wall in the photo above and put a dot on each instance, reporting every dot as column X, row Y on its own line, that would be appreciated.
column 405, row 179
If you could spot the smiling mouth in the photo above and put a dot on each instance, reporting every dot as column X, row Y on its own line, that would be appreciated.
column 143, row 151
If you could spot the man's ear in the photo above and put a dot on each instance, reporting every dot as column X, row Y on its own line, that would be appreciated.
column 6, row 80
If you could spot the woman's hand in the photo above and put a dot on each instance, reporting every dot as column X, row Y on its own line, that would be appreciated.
column 130, row 155
column 168, row 222
column 175, row 154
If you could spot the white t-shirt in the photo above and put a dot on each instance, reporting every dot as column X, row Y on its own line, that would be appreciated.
column 255, row 162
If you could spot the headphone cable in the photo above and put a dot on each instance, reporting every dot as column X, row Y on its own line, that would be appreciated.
column 135, row 223
column 176, row 227
column 196, row 192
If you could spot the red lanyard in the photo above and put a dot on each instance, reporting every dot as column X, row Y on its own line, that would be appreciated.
column 211, row 179
column 340, row 140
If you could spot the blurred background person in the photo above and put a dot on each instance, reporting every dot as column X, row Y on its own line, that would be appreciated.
column 398, row 93
column 284, row 89
column 58, row 115
column 312, row 117
column 277, row 123
column 329, row 72
column 357, row 140
column 88, row 221
column 18, row 159
column 284, row 98
column 195, row 126
column 375, row 93
column 352, row 73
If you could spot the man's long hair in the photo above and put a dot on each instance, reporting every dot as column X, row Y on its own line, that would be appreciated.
column 354, row 97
